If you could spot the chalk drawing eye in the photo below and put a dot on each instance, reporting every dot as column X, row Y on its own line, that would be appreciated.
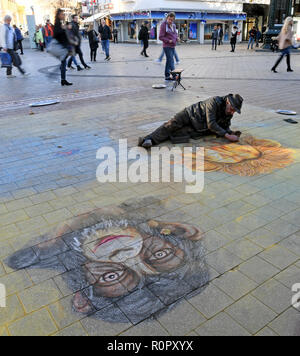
column 159, row 255
column 111, row 276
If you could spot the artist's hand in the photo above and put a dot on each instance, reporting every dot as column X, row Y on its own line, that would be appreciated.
column 237, row 133
column 232, row 138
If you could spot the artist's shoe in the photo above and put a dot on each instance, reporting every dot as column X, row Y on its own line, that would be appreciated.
column 147, row 144
column 65, row 82
column 274, row 70
column 290, row 70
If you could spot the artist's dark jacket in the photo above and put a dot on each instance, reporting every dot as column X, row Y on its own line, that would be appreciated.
column 209, row 115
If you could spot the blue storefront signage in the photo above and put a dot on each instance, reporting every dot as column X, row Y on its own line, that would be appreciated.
column 202, row 16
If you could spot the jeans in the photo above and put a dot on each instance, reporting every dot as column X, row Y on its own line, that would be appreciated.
column 74, row 61
column 48, row 41
column 251, row 42
column 80, row 54
column 285, row 52
column 170, row 64
column 63, row 69
column 214, row 43
column 105, row 46
column 163, row 53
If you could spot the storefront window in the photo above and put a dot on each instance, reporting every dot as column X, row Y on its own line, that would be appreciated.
column 281, row 11
column 153, row 30
column 297, row 7
column 132, row 30
column 208, row 29
column 193, row 29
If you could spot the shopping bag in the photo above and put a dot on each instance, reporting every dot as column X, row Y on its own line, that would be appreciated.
column 57, row 50
column 16, row 60
column 6, row 61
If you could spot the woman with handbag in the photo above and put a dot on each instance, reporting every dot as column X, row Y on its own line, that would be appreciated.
column 233, row 39
column 61, row 37
column 94, row 42
column 285, row 40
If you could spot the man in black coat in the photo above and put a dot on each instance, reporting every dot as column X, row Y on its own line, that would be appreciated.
column 76, row 32
column 105, row 33
column 212, row 116
column 144, row 36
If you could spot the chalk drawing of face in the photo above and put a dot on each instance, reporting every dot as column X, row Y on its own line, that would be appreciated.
column 121, row 268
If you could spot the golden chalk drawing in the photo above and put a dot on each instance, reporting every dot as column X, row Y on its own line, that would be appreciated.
column 249, row 157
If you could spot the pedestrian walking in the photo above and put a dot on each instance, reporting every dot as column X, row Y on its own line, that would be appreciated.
column 48, row 30
column 252, row 38
column 258, row 37
column 214, row 37
column 60, row 35
column 8, row 42
column 233, row 39
column 161, row 57
column 39, row 38
column 168, row 35
column 73, row 42
column 19, row 38
column 105, row 38
column 220, row 35
column 77, row 34
column 94, row 42
column 144, row 36
column 285, row 40
column 115, row 33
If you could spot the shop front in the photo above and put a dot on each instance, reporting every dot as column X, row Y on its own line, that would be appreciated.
column 191, row 26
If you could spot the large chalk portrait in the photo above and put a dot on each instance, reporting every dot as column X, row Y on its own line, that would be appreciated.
column 122, row 266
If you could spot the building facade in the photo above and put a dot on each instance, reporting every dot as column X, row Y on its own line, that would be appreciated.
column 15, row 9
column 195, row 19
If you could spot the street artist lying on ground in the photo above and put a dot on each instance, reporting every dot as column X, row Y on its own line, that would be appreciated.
column 212, row 116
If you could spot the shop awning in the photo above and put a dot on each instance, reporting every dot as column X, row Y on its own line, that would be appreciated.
column 96, row 17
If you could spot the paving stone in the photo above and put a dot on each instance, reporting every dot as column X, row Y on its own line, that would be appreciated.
column 251, row 314
column 189, row 318
column 73, row 330
column 243, row 249
column 39, row 296
column 18, row 204
column 13, row 217
column 274, row 295
column 38, row 209
column 211, row 301
column 213, row 240
column 3, row 331
column 221, row 325
column 266, row 332
column 279, row 256
column 264, row 237
column 146, row 328
column 57, row 216
column 292, row 243
column 258, row 270
column 235, row 284
column 282, row 228
column 233, row 230
column 222, row 260
column 35, row 324
column 289, row 276
column 287, row 324
column 16, row 282
column 13, row 310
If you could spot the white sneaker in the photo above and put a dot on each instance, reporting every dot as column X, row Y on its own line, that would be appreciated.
column 177, row 62
column 26, row 74
column 157, row 61
column 10, row 76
